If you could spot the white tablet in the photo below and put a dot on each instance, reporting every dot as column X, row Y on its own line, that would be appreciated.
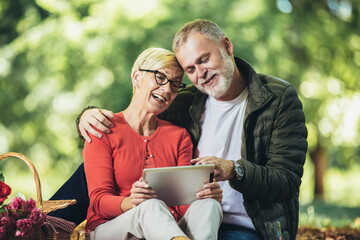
column 178, row 185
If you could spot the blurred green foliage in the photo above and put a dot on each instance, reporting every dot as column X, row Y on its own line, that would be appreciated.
column 56, row 57
column 319, row 214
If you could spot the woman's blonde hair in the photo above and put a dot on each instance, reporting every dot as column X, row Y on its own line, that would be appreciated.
column 156, row 58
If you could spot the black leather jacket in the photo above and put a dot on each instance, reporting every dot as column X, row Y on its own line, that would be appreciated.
column 273, row 150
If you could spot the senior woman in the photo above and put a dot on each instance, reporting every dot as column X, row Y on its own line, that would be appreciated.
column 122, row 206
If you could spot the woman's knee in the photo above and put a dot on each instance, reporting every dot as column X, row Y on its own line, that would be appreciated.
column 210, row 206
column 209, row 203
column 152, row 204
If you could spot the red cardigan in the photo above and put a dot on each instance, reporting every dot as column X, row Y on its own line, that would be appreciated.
column 114, row 162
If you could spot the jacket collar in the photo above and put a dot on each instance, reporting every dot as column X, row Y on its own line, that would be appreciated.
column 259, row 95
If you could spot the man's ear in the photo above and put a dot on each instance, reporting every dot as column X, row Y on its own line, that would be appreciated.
column 227, row 44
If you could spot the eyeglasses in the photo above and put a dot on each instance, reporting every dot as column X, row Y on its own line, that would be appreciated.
column 162, row 79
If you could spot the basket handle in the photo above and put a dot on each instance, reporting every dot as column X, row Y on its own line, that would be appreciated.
column 33, row 169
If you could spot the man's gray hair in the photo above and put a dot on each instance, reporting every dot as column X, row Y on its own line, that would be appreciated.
column 202, row 26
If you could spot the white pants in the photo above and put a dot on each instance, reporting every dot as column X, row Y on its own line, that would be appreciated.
column 153, row 220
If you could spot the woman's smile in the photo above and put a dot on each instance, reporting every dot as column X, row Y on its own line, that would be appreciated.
column 159, row 98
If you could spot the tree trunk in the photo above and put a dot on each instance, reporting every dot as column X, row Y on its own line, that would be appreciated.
column 318, row 157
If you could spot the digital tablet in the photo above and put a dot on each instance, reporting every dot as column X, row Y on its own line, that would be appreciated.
column 178, row 185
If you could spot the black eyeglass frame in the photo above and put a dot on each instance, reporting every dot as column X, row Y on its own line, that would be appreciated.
column 172, row 83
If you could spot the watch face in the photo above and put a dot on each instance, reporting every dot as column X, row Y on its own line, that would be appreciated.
column 240, row 170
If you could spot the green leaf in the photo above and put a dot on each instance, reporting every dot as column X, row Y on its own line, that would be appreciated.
column 2, row 178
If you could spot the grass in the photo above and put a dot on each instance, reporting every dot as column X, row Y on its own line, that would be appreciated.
column 321, row 214
column 341, row 204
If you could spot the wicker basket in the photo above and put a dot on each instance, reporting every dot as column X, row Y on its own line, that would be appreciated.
column 46, row 206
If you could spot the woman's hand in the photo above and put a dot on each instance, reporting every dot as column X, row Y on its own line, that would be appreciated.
column 139, row 193
column 95, row 117
column 211, row 190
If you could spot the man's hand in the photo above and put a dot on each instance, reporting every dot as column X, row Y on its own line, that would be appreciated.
column 211, row 190
column 95, row 117
column 224, row 169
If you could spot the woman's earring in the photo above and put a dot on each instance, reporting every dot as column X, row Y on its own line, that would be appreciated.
column 137, row 85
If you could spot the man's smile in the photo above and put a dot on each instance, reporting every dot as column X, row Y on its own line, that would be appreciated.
column 209, row 81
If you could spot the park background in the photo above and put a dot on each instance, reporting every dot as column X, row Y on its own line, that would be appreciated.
column 59, row 56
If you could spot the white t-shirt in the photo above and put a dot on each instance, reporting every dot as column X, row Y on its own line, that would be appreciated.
column 222, row 127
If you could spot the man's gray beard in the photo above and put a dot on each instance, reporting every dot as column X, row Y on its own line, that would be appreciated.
column 225, row 78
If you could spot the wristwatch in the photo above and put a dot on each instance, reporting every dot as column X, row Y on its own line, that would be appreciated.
column 238, row 170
